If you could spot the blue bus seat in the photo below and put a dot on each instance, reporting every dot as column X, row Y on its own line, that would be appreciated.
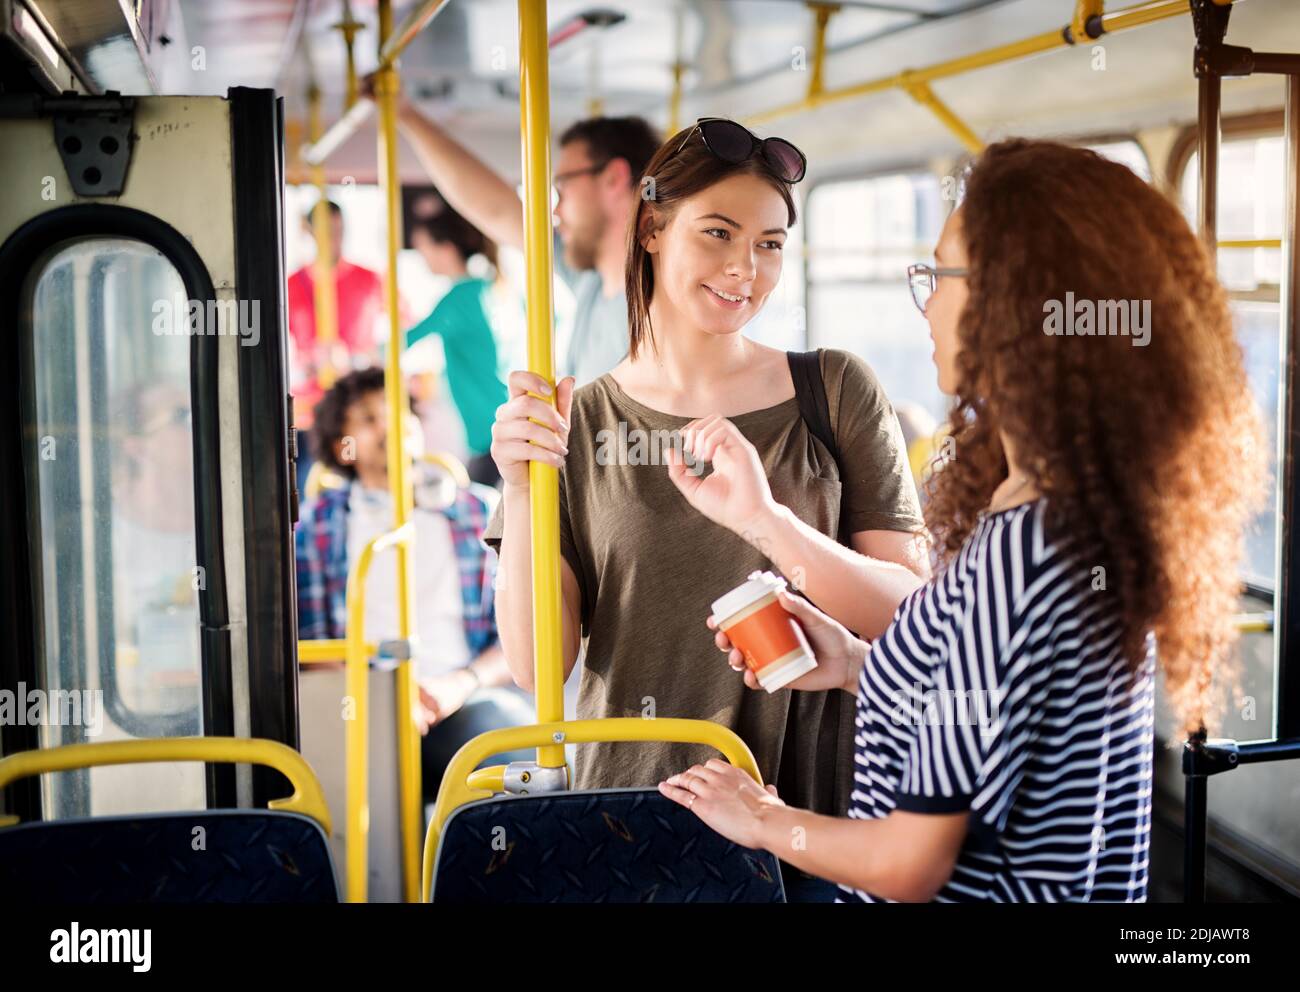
column 595, row 846
column 208, row 856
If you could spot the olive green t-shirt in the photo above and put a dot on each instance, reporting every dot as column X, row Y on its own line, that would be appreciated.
column 649, row 567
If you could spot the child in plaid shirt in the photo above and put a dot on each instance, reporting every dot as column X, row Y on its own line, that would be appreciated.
column 460, row 667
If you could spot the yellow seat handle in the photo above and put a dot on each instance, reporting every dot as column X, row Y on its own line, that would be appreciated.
column 452, row 465
column 461, row 784
column 308, row 798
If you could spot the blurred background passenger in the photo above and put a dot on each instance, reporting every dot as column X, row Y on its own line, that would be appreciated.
column 461, row 318
column 460, row 667
column 359, row 308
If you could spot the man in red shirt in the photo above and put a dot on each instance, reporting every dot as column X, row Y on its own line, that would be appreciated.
column 360, row 306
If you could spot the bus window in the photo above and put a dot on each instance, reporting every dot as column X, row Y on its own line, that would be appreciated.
column 861, row 236
column 108, row 453
column 1253, row 810
column 1251, row 189
column 1126, row 152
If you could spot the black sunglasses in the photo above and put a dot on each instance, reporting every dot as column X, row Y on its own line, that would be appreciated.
column 734, row 143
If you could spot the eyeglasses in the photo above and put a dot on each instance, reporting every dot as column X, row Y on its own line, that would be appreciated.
column 559, row 179
column 734, row 143
column 924, row 279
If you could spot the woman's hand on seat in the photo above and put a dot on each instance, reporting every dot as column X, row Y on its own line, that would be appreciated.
column 736, row 492
column 839, row 652
column 529, row 429
column 725, row 798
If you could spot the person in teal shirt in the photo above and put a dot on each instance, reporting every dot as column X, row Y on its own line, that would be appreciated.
column 447, row 241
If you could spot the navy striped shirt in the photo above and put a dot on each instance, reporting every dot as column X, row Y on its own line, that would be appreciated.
column 1000, row 688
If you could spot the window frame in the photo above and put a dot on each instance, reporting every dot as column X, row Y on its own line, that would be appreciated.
column 32, row 243
column 907, row 166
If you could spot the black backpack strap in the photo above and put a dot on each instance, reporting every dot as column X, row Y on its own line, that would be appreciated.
column 832, row 712
column 810, row 391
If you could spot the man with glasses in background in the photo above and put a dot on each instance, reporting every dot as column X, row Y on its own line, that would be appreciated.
column 596, row 178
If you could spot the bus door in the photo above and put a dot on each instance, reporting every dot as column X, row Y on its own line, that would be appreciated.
column 146, row 494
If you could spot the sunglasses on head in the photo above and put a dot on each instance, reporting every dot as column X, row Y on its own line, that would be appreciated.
column 734, row 143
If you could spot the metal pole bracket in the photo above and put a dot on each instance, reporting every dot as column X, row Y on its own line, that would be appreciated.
column 1203, row 758
column 94, row 142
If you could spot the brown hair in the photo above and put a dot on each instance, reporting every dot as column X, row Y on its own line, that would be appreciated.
column 630, row 138
column 1151, row 455
column 449, row 227
column 671, row 177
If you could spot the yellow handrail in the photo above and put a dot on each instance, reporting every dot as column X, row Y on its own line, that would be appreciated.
column 387, row 87
column 391, row 45
column 679, row 72
column 325, row 292
column 821, row 20
column 451, row 464
column 1254, row 623
column 319, row 477
column 461, row 784
column 543, row 479
column 1143, row 13
column 357, row 740
column 1251, row 243
column 349, row 28
column 307, row 799
column 323, row 651
column 395, row 42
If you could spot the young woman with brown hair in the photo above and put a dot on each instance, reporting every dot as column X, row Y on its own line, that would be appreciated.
column 1089, row 523
column 639, row 566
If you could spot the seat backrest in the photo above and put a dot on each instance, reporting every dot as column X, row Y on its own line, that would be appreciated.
column 210, row 856
column 602, row 845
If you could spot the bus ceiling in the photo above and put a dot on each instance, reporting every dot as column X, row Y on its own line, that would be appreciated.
column 674, row 61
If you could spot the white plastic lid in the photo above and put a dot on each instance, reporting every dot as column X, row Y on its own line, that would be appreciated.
column 758, row 585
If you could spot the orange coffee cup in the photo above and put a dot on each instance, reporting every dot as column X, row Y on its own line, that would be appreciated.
column 774, row 645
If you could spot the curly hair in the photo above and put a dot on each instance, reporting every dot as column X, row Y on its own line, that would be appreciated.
column 1151, row 454
column 332, row 413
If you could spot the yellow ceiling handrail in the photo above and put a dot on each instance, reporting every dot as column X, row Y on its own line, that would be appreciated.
column 359, row 112
column 1129, row 17
column 395, row 42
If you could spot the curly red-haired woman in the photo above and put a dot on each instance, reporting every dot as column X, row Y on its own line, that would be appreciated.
column 1104, row 462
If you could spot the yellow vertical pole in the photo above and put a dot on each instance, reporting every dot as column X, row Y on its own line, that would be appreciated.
column 349, row 28
column 399, row 475
column 357, row 739
column 675, row 101
column 679, row 70
column 543, row 480
column 325, row 295
column 822, row 16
